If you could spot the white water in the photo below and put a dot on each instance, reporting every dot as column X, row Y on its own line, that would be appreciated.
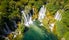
column 30, row 20
column 27, row 19
column 63, row 38
column 42, row 13
column 41, row 24
column 6, row 38
column 51, row 26
column 58, row 16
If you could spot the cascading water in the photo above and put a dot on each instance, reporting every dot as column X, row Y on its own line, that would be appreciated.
column 42, row 13
column 4, row 30
column 58, row 16
column 15, row 25
column 7, row 30
column 51, row 26
column 30, row 18
column 27, row 18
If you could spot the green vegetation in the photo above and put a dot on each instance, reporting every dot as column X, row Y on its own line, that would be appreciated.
column 10, row 10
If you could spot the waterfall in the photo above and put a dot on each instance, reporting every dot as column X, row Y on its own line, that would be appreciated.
column 27, row 18
column 62, row 38
column 51, row 26
column 15, row 25
column 6, row 29
column 30, row 18
column 42, row 13
column 58, row 16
